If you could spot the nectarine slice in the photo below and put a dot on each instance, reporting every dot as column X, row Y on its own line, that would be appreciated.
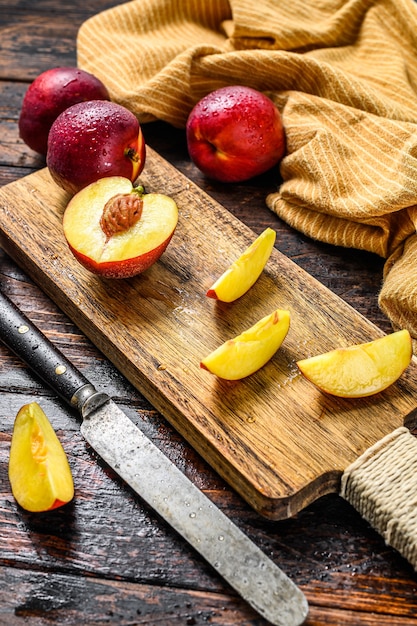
column 360, row 370
column 117, row 230
column 248, row 352
column 39, row 473
column 245, row 271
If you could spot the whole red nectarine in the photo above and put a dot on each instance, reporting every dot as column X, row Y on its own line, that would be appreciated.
column 93, row 140
column 48, row 95
column 235, row 133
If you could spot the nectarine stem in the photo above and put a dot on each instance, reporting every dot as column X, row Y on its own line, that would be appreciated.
column 132, row 154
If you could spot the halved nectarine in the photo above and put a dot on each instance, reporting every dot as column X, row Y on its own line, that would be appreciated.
column 39, row 473
column 251, row 350
column 117, row 230
column 360, row 370
column 245, row 271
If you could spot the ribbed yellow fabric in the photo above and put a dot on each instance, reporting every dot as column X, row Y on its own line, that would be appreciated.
column 343, row 74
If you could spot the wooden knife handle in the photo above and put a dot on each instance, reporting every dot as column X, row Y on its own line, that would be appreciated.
column 382, row 486
column 27, row 342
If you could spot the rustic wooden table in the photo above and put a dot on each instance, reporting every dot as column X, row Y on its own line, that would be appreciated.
column 106, row 558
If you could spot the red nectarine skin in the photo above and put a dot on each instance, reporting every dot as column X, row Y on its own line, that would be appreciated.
column 93, row 140
column 122, row 269
column 50, row 94
column 235, row 133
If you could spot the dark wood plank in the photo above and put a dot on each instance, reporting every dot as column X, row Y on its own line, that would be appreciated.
column 34, row 39
column 69, row 599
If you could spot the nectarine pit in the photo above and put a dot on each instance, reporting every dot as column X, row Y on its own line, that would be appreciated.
column 121, row 212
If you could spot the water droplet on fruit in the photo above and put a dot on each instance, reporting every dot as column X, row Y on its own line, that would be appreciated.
column 69, row 81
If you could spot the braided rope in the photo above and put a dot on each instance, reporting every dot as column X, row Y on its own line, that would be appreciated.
column 382, row 486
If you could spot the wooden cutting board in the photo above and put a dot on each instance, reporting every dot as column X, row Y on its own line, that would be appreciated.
column 273, row 436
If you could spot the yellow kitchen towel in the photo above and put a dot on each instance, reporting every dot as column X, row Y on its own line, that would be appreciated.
column 343, row 74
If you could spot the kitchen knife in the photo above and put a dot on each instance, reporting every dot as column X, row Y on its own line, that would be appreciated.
column 156, row 479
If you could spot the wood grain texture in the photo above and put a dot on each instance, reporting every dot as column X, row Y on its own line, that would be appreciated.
column 273, row 436
column 71, row 599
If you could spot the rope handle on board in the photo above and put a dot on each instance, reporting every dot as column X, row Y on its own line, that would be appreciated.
column 382, row 486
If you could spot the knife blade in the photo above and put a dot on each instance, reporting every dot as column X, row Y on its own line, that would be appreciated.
column 158, row 482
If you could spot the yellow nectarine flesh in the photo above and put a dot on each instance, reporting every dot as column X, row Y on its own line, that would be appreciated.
column 245, row 271
column 360, row 370
column 39, row 473
column 248, row 352
column 118, row 243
